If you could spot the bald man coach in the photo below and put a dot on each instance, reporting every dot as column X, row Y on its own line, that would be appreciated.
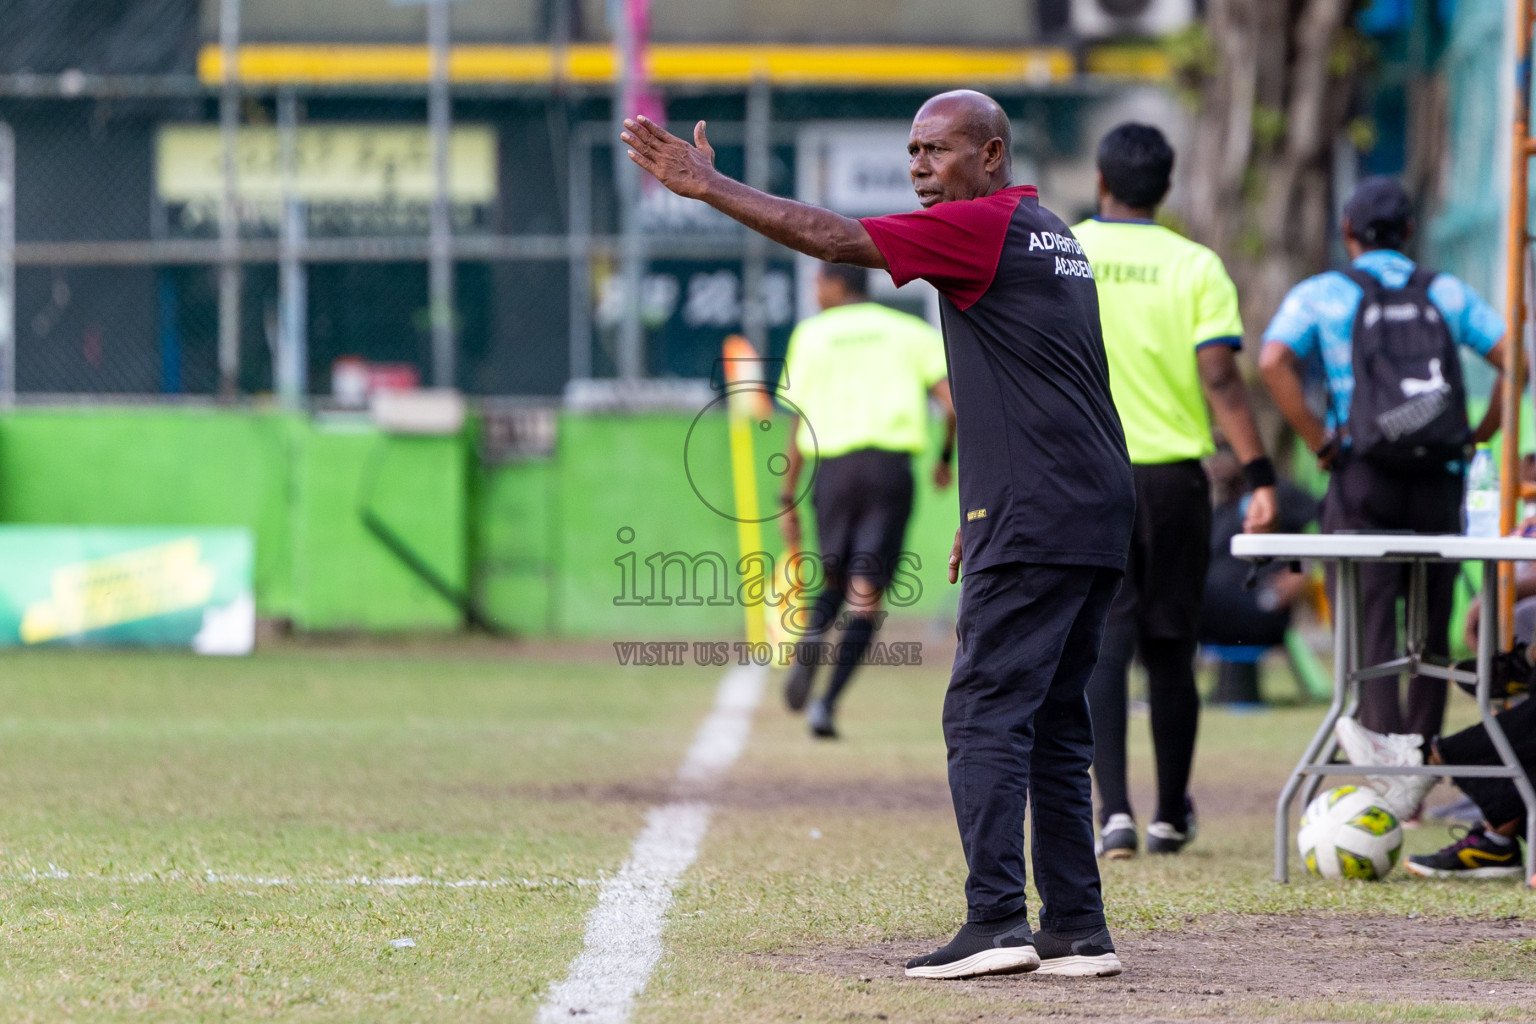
column 1046, row 503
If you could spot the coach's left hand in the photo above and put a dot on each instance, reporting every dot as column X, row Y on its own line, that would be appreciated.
column 686, row 170
column 1263, row 510
column 954, row 560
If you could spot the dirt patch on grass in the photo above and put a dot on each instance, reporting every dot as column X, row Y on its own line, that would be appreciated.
column 750, row 794
column 1229, row 967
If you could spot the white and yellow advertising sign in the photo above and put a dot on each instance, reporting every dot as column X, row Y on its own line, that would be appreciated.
column 128, row 586
column 350, row 163
column 351, row 179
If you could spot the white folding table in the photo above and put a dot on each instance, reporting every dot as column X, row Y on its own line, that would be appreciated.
column 1349, row 550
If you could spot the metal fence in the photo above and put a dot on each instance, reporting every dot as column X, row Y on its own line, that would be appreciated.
column 172, row 236
column 138, row 271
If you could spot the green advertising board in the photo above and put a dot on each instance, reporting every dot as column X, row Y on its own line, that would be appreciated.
column 128, row 586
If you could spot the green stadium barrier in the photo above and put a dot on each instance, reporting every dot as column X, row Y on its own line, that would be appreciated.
column 292, row 481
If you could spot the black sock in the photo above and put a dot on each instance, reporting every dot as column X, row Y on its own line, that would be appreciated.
column 856, row 639
column 823, row 614
column 1073, row 934
column 1175, row 707
column 999, row 925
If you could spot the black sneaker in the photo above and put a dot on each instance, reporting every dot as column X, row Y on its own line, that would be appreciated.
column 1474, row 855
column 1090, row 957
column 819, row 717
column 1008, row 949
column 797, row 686
column 1162, row 837
column 1117, row 839
column 1511, row 674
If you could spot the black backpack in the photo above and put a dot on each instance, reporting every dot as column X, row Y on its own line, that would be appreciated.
column 1409, row 411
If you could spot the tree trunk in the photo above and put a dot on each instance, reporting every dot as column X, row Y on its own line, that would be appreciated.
column 1274, row 88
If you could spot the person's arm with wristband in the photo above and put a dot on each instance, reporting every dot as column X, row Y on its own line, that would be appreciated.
column 1228, row 395
column 1218, row 331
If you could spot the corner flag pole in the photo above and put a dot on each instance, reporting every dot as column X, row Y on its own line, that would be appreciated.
column 745, row 405
column 1522, row 147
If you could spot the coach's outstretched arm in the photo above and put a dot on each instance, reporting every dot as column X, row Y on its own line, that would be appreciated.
column 690, row 172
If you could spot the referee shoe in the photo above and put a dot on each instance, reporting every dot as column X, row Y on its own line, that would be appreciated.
column 1162, row 837
column 987, row 947
column 1117, row 839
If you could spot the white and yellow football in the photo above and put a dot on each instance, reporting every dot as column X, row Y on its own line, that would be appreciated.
column 1349, row 833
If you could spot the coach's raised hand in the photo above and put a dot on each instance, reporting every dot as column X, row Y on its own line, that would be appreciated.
column 690, row 172
column 684, row 169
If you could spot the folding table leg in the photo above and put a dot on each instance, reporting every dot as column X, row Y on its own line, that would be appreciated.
column 1416, row 615
column 1347, row 597
column 1343, row 650
column 1487, row 645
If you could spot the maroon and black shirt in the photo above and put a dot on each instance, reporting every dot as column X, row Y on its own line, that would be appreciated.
column 1044, row 473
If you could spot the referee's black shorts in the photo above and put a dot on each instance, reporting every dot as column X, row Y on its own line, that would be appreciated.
column 863, row 500
column 1170, row 551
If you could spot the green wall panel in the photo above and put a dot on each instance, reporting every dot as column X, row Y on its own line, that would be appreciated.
column 119, row 467
column 344, row 577
column 628, row 472
column 614, row 472
column 514, row 527
column 539, row 539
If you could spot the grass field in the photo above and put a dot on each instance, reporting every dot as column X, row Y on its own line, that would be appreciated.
column 189, row 838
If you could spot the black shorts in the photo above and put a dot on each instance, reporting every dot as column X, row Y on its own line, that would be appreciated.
column 1170, row 550
column 863, row 500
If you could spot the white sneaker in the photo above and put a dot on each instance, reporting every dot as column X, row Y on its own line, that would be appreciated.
column 1401, row 793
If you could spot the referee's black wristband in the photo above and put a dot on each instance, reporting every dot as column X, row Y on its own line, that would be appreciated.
column 947, row 455
column 1260, row 473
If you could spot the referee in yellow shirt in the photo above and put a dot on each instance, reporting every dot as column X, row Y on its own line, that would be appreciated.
column 1172, row 333
column 861, row 373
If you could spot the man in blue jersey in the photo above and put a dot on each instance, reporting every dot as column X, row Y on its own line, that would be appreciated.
column 1317, row 321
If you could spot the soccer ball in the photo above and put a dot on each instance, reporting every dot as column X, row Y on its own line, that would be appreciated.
column 1349, row 833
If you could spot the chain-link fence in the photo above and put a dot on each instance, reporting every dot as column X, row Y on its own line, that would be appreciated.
column 118, row 250
column 180, row 233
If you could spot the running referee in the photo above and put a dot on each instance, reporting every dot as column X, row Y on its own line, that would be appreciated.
column 1172, row 332
column 861, row 373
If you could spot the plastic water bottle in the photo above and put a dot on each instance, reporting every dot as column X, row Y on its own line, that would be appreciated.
column 1483, row 495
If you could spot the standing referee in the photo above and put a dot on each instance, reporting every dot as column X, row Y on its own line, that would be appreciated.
column 1172, row 333
column 1046, row 502
column 861, row 374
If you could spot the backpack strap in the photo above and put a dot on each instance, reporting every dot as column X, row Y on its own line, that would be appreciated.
column 1421, row 279
column 1365, row 279
column 1371, row 289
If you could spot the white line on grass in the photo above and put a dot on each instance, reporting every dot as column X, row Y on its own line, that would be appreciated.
column 623, row 939
column 211, row 877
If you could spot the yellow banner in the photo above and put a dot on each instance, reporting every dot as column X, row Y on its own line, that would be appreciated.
column 118, row 589
column 343, row 163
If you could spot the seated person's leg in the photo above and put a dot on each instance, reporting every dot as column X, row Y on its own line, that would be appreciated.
column 1490, row 849
column 1484, row 851
column 1470, row 746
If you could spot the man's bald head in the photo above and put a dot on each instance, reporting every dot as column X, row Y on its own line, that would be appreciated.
column 961, row 147
column 980, row 116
